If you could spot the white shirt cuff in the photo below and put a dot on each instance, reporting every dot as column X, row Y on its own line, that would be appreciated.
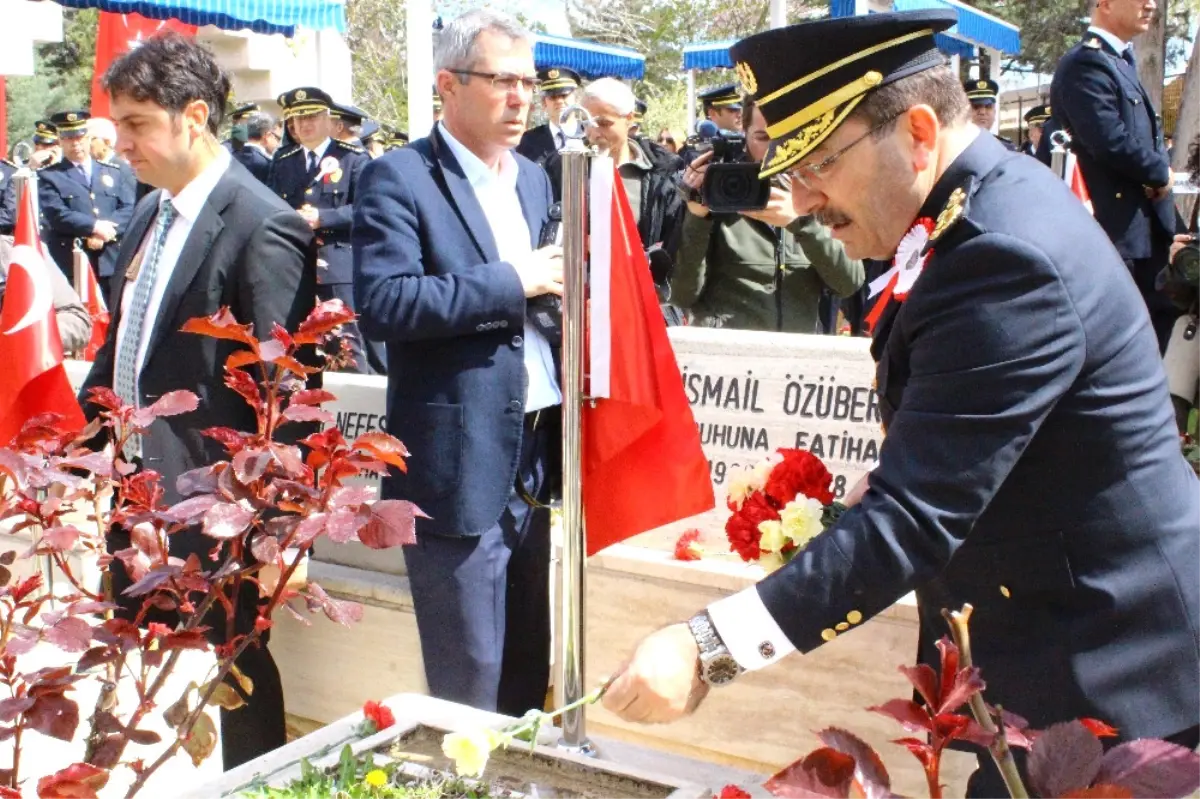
column 748, row 630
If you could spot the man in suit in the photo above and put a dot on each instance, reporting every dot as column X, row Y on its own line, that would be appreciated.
column 983, row 94
column 318, row 175
column 1097, row 98
column 445, row 265
column 1031, row 465
column 82, row 199
column 211, row 237
column 1035, row 121
column 261, row 143
column 539, row 143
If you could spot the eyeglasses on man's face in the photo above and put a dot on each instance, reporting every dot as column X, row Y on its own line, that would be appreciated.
column 506, row 82
column 811, row 175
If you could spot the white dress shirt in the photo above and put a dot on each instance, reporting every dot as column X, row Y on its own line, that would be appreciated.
column 319, row 150
column 84, row 166
column 497, row 194
column 188, row 205
column 745, row 625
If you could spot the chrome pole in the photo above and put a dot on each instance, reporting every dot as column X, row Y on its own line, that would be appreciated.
column 569, row 686
column 1060, row 143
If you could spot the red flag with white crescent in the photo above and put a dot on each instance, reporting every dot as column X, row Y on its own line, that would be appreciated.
column 1074, row 179
column 117, row 34
column 35, row 381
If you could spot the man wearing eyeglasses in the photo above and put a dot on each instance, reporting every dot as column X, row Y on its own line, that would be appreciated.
column 446, row 261
column 1031, row 466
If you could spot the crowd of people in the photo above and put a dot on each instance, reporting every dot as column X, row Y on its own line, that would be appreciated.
column 1028, row 357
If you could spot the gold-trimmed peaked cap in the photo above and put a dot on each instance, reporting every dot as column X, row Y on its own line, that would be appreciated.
column 1038, row 115
column 726, row 96
column 558, row 80
column 807, row 78
column 982, row 91
column 44, row 132
column 71, row 124
column 242, row 112
column 304, row 100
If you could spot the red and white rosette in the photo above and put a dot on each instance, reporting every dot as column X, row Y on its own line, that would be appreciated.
column 329, row 165
column 910, row 260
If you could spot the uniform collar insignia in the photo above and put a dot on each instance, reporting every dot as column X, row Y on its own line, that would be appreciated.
column 1092, row 42
column 954, row 210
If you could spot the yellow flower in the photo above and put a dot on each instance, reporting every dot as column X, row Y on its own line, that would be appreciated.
column 470, row 750
column 772, row 539
column 801, row 520
column 376, row 778
column 770, row 561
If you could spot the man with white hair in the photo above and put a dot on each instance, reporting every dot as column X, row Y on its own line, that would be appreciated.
column 103, row 146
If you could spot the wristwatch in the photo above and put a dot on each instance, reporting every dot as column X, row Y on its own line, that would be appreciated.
column 717, row 666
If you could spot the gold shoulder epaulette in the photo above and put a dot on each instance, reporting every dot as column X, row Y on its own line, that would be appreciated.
column 295, row 148
column 345, row 145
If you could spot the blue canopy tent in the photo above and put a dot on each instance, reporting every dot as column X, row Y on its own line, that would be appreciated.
column 975, row 28
column 590, row 59
column 260, row 16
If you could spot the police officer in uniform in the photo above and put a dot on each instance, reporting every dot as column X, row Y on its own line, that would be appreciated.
column 398, row 139
column 1097, row 98
column 347, row 122
column 1031, row 465
column 723, row 107
column 46, row 149
column 639, row 114
column 1035, row 122
column 317, row 175
column 8, row 198
column 983, row 94
column 237, row 120
column 374, row 138
column 539, row 143
column 85, row 200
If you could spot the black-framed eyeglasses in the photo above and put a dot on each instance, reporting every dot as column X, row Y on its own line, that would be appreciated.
column 810, row 175
column 504, row 81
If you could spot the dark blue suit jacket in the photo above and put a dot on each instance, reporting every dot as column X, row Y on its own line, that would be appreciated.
column 257, row 162
column 70, row 208
column 1031, row 467
column 333, row 199
column 1097, row 97
column 428, row 281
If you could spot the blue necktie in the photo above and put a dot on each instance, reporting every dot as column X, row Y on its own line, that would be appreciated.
column 87, row 179
column 1127, row 54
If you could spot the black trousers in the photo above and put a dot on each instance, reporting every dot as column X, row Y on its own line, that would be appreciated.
column 986, row 782
column 1163, row 312
column 370, row 357
column 483, row 603
column 258, row 726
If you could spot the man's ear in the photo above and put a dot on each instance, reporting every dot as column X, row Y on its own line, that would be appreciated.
column 923, row 128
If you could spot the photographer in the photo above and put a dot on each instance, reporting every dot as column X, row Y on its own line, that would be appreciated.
column 756, row 269
column 1181, row 282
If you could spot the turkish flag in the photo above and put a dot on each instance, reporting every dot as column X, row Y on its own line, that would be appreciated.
column 117, row 34
column 1074, row 179
column 642, row 462
column 93, row 300
column 30, row 347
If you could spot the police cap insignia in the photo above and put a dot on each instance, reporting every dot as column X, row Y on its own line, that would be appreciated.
column 301, row 94
column 951, row 213
column 810, row 77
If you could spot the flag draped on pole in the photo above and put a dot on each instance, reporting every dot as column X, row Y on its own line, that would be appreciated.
column 117, row 34
column 643, row 466
column 35, row 381
column 1074, row 177
column 93, row 300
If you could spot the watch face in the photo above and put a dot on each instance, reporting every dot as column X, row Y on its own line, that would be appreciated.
column 721, row 670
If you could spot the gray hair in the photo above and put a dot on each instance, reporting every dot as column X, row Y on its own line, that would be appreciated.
column 102, row 128
column 456, row 42
column 612, row 92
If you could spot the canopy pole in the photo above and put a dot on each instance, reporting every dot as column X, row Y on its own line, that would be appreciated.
column 691, row 103
column 778, row 13
column 420, row 67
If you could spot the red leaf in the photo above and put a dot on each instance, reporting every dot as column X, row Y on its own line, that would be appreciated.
column 1099, row 728
column 153, row 579
column 290, row 460
column 686, row 547
column 237, row 360
column 199, row 481
column 344, row 613
column 351, row 496
column 966, row 684
column 222, row 324
column 869, row 772
column 948, row 673
column 312, row 396
column 280, row 334
column 324, row 318
column 733, row 792
column 383, row 446
column 96, row 656
column 76, row 781
column 393, row 523
column 925, row 680
column 262, row 624
column 186, row 639
column 1066, row 757
column 265, row 548
column 226, row 520
column 173, row 403
column 1103, row 791
column 105, row 397
column 61, row 539
column 307, row 413
column 920, row 749
column 231, row 439
column 54, row 715
column 190, row 511
column 14, row 706
column 911, row 716
column 26, row 587
column 251, row 464
column 825, row 772
column 1151, row 768
column 244, row 385
column 271, row 350
column 71, row 634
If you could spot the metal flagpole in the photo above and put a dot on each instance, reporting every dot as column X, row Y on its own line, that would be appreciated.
column 569, row 685
column 1060, row 143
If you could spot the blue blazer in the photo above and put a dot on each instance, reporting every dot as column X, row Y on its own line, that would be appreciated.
column 428, row 281
column 1097, row 97
column 1031, row 467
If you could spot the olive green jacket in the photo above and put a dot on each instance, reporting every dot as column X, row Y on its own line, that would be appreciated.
column 725, row 273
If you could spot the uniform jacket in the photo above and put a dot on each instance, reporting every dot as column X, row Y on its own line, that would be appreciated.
column 1097, row 97
column 1031, row 467
column 256, row 161
column 70, row 209
column 429, row 282
column 333, row 196
column 538, row 145
column 8, row 198
column 247, row 251
column 737, row 272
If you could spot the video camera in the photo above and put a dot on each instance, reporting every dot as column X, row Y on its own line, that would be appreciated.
column 731, row 183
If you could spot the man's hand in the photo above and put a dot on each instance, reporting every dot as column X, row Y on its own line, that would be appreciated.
column 104, row 229
column 778, row 212
column 661, row 682
column 310, row 215
column 94, row 243
column 1157, row 194
column 693, row 178
column 1181, row 241
column 542, row 272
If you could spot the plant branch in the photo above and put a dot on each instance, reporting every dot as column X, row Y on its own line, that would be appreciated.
column 959, row 622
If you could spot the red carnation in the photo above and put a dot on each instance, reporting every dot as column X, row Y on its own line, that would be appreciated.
column 687, row 548
column 379, row 714
column 742, row 527
column 732, row 792
column 799, row 472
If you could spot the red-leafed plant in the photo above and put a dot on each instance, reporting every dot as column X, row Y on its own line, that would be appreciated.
column 282, row 487
column 1065, row 760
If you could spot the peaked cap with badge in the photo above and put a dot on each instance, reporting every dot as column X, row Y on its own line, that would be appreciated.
column 1038, row 115
column 303, row 101
column 71, row 124
column 241, row 112
column 44, row 132
column 807, row 78
column 559, row 80
column 350, row 114
column 982, row 91
column 726, row 96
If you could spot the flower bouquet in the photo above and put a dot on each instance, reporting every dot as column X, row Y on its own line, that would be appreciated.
column 778, row 506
